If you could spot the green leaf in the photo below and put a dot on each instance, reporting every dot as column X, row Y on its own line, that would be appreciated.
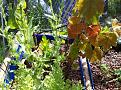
column 44, row 38
column 22, row 4
column 105, row 29
column 11, row 20
column 117, row 72
column 95, row 20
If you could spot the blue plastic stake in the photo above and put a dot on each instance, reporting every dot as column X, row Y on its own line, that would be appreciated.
column 82, row 73
column 21, row 55
column 11, row 76
column 90, row 74
column 18, row 49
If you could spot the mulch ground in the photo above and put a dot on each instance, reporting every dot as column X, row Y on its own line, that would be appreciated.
column 104, row 78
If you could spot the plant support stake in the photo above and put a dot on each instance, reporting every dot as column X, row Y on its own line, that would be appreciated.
column 90, row 74
column 86, row 73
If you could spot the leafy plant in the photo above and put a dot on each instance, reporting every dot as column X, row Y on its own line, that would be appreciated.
column 55, row 80
column 93, row 39
column 114, row 7
column 118, row 73
column 105, row 70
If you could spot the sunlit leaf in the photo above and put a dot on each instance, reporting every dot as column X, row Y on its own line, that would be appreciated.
column 74, row 20
column 93, row 30
column 105, row 29
column 89, row 8
column 107, row 39
column 22, row 4
column 11, row 20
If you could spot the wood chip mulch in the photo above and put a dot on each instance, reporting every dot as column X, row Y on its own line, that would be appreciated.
column 103, row 79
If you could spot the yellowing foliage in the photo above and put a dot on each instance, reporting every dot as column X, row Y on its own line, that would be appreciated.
column 91, row 39
column 92, row 47
column 89, row 8
column 75, row 26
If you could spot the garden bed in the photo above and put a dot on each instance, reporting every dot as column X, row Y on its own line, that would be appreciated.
column 104, row 76
column 103, row 72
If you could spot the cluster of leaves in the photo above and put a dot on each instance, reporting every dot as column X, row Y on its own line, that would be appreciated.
column 55, row 81
column 118, row 73
column 93, row 39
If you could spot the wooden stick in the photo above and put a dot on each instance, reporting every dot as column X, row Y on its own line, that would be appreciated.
column 86, row 73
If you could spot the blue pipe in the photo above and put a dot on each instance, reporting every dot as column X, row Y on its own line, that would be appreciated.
column 21, row 55
column 38, row 37
column 11, row 76
column 18, row 49
column 13, row 67
column 90, row 74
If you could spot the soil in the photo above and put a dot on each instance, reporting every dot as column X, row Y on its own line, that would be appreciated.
column 103, row 77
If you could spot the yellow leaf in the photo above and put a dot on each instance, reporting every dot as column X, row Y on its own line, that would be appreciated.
column 112, row 38
column 88, row 51
column 93, row 41
column 98, row 53
column 93, row 59
column 89, row 8
column 83, row 38
column 106, row 40
column 74, row 20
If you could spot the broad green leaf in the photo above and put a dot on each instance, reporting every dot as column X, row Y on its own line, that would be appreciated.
column 105, row 29
column 22, row 4
column 11, row 20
